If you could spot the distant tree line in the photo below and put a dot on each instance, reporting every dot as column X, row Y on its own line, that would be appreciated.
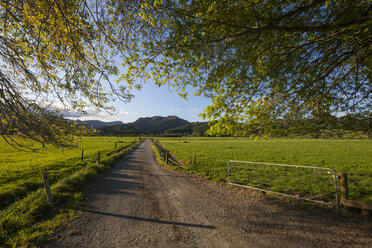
column 347, row 126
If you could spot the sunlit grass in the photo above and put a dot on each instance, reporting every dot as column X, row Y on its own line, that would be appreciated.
column 20, row 171
column 212, row 154
column 30, row 220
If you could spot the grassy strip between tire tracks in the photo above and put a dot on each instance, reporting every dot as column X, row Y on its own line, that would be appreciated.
column 27, row 222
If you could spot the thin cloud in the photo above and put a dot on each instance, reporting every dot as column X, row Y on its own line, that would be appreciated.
column 174, row 110
column 123, row 113
column 93, row 114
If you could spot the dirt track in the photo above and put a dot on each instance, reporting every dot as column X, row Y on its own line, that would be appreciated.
column 141, row 204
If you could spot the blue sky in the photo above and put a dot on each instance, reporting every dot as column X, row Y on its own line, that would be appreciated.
column 151, row 100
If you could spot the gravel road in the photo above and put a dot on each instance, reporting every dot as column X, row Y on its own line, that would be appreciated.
column 142, row 204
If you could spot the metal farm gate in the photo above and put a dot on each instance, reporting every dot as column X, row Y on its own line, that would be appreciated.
column 315, row 184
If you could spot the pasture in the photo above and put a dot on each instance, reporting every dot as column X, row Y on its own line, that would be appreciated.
column 20, row 171
column 212, row 154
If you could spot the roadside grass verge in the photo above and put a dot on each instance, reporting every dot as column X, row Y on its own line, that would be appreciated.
column 160, row 158
column 27, row 222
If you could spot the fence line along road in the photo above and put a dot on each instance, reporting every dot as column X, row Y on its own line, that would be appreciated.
column 315, row 184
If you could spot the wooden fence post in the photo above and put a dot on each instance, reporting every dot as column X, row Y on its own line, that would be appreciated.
column 47, row 188
column 43, row 145
column 99, row 157
column 344, row 189
column 166, row 157
column 76, row 145
column 82, row 154
column 115, row 145
column 194, row 158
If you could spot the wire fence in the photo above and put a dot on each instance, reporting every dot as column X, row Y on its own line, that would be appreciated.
column 314, row 184
column 359, row 186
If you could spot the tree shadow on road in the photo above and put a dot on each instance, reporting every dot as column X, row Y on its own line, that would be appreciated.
column 150, row 220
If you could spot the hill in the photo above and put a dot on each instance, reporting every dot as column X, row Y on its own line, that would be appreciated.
column 158, row 124
column 118, row 130
column 194, row 129
column 155, row 124
column 96, row 124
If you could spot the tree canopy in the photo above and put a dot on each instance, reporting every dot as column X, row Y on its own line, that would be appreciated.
column 257, row 60
column 56, row 52
column 260, row 60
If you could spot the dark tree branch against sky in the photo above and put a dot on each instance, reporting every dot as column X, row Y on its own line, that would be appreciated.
column 258, row 60
column 56, row 52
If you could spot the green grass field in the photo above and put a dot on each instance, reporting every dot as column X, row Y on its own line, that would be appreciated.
column 20, row 171
column 30, row 219
column 212, row 154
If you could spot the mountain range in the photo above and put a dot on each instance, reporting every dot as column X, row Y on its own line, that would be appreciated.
column 170, row 125
column 96, row 124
